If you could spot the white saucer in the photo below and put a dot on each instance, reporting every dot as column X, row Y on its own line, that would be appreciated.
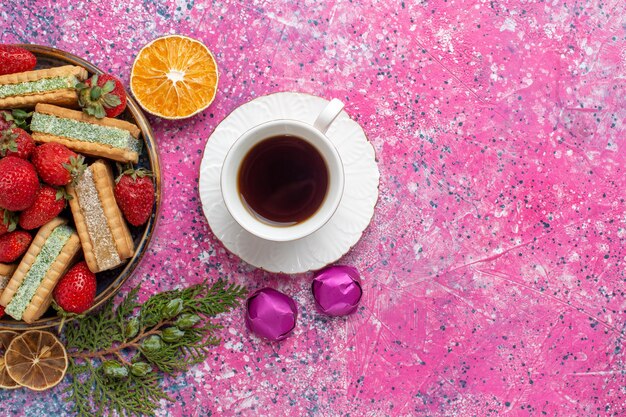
column 342, row 231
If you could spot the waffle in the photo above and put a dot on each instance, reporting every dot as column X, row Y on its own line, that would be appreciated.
column 79, row 142
column 64, row 97
column 6, row 271
column 39, row 302
column 103, row 232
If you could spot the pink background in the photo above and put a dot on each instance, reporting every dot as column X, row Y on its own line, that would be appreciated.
column 494, row 266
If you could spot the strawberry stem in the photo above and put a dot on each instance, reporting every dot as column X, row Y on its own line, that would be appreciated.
column 96, row 92
column 10, row 219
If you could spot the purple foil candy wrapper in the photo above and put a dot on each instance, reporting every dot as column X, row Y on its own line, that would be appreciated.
column 271, row 314
column 337, row 290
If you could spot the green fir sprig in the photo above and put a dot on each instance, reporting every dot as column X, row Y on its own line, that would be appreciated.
column 119, row 354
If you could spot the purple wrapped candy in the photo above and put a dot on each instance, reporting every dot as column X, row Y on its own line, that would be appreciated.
column 271, row 314
column 337, row 290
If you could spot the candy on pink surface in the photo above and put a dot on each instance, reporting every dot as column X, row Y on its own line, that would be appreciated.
column 271, row 314
column 337, row 290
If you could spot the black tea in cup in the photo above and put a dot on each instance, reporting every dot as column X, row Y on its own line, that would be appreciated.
column 283, row 180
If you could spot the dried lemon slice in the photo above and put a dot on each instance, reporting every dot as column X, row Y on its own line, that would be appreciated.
column 174, row 77
column 36, row 360
column 6, row 381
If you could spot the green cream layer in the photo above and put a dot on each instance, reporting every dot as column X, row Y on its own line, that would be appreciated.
column 43, row 261
column 87, row 132
column 40, row 86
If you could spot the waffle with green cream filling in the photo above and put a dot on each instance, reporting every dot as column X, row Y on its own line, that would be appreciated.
column 83, row 131
column 43, row 85
column 108, row 137
column 33, row 278
column 56, row 85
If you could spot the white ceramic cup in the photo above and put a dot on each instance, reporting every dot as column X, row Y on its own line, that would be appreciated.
column 312, row 134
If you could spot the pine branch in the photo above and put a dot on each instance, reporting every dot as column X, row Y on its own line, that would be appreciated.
column 168, row 334
column 128, row 304
column 189, row 350
column 199, row 299
column 217, row 299
column 103, row 327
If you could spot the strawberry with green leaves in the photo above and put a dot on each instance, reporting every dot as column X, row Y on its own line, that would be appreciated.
column 102, row 96
column 6, row 120
column 16, row 142
column 13, row 245
column 8, row 221
column 48, row 204
column 56, row 164
column 134, row 193
column 15, row 59
column 76, row 290
column 18, row 184
column 14, row 118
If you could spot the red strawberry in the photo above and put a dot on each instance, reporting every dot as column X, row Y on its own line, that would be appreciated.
column 16, row 142
column 15, row 59
column 48, row 204
column 18, row 183
column 102, row 95
column 134, row 193
column 1, row 311
column 13, row 245
column 56, row 164
column 76, row 291
column 8, row 221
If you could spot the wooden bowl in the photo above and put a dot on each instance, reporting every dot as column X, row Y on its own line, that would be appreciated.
column 109, row 282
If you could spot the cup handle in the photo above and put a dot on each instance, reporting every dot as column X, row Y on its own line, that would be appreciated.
column 328, row 115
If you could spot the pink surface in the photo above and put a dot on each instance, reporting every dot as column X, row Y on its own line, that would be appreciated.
column 493, row 271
